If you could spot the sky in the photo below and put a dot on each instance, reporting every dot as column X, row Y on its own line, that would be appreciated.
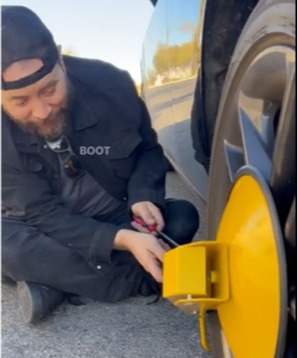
column 110, row 30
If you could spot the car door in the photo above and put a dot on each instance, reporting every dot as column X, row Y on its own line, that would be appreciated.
column 155, row 85
column 184, row 20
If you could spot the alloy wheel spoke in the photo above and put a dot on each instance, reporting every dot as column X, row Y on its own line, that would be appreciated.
column 268, row 126
column 254, row 148
column 234, row 159
column 261, row 112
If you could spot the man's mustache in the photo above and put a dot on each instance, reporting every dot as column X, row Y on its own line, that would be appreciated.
column 53, row 117
column 56, row 123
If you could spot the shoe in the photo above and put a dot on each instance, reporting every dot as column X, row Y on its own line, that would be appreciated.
column 36, row 301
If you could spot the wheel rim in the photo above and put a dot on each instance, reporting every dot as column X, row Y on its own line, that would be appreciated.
column 259, row 131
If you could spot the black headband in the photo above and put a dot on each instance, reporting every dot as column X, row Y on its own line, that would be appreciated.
column 49, row 63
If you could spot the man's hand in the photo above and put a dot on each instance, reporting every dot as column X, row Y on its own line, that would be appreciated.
column 147, row 250
column 150, row 214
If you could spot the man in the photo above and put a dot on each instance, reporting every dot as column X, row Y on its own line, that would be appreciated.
column 80, row 161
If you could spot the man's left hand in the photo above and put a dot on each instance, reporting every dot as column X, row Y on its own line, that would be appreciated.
column 150, row 214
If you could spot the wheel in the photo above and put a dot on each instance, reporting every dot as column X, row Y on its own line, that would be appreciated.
column 256, row 127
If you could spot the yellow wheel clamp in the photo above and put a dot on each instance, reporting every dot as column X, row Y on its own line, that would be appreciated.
column 242, row 274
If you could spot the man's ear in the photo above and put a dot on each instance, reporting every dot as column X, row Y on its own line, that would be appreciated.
column 59, row 47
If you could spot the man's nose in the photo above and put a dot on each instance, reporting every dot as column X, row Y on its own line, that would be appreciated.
column 41, row 110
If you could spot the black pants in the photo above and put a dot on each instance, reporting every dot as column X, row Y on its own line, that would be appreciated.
column 28, row 255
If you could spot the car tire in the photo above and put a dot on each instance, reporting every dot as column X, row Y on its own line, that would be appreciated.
column 261, row 73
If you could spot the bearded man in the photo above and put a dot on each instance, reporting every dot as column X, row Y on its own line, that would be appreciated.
column 80, row 160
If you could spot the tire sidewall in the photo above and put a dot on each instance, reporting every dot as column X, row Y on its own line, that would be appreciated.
column 272, row 21
column 269, row 19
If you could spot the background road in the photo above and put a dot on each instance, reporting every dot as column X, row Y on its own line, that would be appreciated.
column 130, row 329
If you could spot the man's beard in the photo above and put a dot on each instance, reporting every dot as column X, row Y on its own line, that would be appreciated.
column 50, row 128
column 54, row 126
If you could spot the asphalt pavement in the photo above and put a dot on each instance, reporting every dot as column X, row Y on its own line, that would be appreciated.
column 130, row 329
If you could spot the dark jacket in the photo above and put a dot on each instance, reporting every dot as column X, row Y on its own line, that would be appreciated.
column 106, row 111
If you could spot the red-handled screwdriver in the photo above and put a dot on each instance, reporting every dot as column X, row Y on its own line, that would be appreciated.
column 153, row 228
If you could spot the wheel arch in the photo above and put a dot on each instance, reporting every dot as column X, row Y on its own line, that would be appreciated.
column 223, row 22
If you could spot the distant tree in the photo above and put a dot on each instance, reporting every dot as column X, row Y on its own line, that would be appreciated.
column 179, row 56
column 161, row 58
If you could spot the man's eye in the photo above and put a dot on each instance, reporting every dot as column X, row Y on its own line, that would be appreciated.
column 50, row 91
column 22, row 103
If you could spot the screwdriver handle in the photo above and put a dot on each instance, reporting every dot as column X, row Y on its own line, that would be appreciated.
column 153, row 228
column 140, row 221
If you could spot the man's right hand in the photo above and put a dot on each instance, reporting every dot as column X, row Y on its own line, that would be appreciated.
column 146, row 248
